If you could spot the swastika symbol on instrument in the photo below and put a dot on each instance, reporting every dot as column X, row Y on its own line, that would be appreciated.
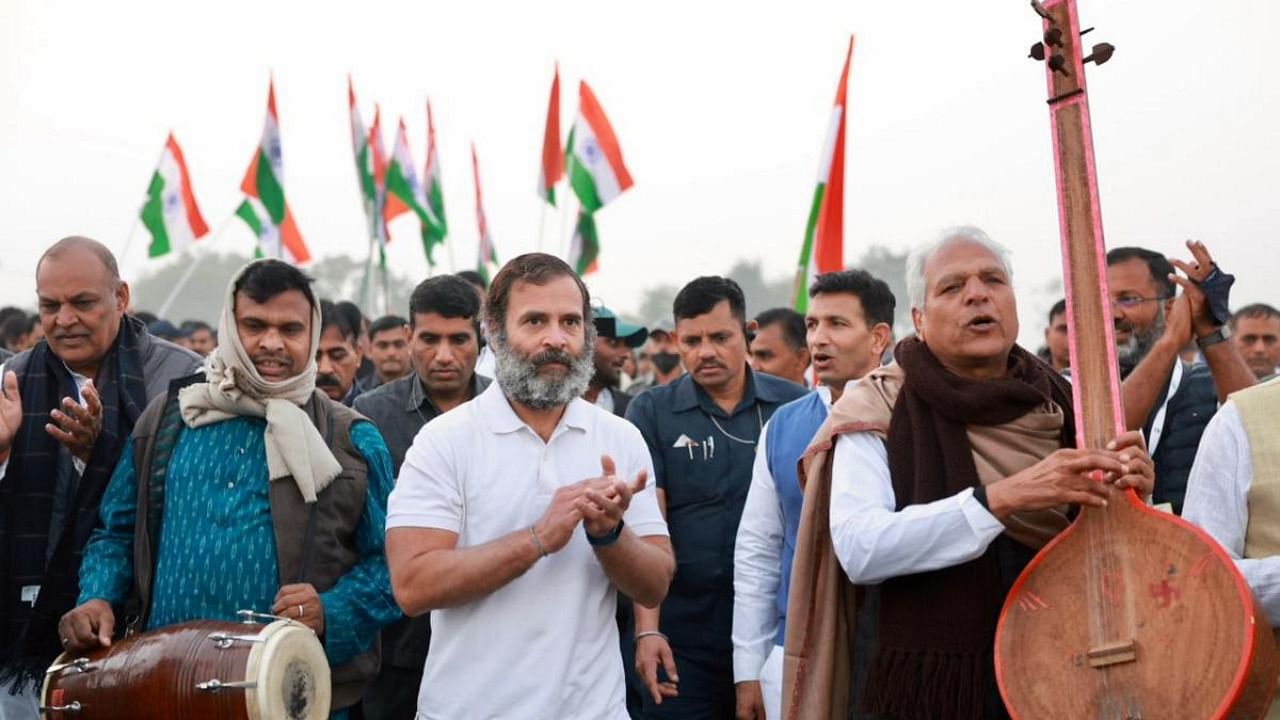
column 1164, row 593
column 1030, row 602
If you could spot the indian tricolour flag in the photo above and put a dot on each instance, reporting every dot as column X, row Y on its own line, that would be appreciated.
column 403, row 188
column 364, row 161
column 823, row 249
column 486, row 253
column 434, row 229
column 170, row 213
column 584, row 248
column 594, row 158
column 552, row 155
column 264, row 183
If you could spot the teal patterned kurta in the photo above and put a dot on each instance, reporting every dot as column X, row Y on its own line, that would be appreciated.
column 217, row 551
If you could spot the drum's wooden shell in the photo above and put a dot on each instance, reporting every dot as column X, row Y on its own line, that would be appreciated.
column 154, row 676
column 1204, row 648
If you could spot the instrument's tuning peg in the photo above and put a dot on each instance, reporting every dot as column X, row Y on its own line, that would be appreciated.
column 1053, row 37
column 1102, row 52
column 1035, row 5
column 1037, row 52
column 1058, row 63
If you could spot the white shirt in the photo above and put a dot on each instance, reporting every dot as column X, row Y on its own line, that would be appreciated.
column 604, row 400
column 1218, row 501
column 757, row 565
column 487, row 363
column 546, row 644
column 874, row 542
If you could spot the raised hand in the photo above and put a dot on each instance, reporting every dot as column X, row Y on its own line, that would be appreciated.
column 10, row 411
column 78, row 425
column 1196, row 272
column 606, row 499
column 561, row 518
column 1063, row 478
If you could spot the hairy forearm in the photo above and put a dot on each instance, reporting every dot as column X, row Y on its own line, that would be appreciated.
column 1230, row 371
column 448, row 577
column 641, row 568
column 1141, row 390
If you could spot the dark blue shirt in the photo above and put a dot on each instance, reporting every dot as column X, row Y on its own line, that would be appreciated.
column 702, row 459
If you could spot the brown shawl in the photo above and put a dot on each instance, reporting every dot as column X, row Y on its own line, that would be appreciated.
column 823, row 603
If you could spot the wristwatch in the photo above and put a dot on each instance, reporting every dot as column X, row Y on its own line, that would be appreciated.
column 607, row 539
column 1213, row 338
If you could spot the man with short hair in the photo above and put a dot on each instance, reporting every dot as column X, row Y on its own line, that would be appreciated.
column 338, row 354
column 778, row 347
column 514, row 526
column 614, row 340
column 445, row 332
column 702, row 432
column 20, row 332
column 1055, row 337
column 1255, row 329
column 200, row 337
column 285, row 487
column 67, row 408
column 944, row 473
column 849, row 325
column 484, row 363
column 389, row 349
column 664, row 357
column 1169, row 401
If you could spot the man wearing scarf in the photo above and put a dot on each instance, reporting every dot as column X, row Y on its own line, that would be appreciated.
column 936, row 478
column 67, row 407
column 255, row 467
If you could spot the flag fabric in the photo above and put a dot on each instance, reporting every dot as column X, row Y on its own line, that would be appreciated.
column 364, row 161
column 252, row 213
column 486, row 253
column 170, row 213
column 384, row 212
column 594, row 158
column 585, row 247
column 823, row 249
column 434, row 229
column 264, row 182
column 552, row 154
column 404, row 192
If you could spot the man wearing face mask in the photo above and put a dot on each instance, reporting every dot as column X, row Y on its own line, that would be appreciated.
column 1172, row 402
column 702, row 432
column 663, row 355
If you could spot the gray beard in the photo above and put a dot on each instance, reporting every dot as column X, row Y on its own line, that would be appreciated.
column 518, row 376
column 1132, row 351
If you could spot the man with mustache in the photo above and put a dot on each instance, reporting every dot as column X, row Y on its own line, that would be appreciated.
column 388, row 349
column 615, row 338
column 1172, row 402
column 284, row 486
column 702, row 432
column 339, row 353
column 444, row 342
column 67, row 407
column 518, row 517
column 936, row 478
column 1255, row 329
column 778, row 347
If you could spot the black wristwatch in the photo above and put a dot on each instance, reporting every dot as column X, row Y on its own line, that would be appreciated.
column 608, row 539
column 1213, row 338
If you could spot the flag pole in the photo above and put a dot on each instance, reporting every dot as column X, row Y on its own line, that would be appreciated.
column 542, row 224
column 201, row 254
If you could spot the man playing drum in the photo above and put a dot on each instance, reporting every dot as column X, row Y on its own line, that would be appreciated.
column 249, row 491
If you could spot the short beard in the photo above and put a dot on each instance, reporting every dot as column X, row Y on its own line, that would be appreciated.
column 518, row 376
column 1131, row 352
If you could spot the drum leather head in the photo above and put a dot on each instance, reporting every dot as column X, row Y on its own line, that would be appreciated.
column 292, row 674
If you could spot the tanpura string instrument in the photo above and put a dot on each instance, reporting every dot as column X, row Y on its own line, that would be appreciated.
column 1131, row 612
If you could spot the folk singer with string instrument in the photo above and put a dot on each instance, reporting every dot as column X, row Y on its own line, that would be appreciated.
column 947, row 471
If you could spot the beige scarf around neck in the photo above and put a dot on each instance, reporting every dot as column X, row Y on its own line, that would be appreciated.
column 234, row 388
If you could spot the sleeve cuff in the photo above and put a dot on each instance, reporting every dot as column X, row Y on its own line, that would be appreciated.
column 435, row 522
column 980, row 520
column 747, row 663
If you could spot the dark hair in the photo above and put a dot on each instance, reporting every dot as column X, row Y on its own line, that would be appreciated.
column 475, row 278
column 385, row 323
column 1158, row 265
column 354, row 314
column 9, row 311
column 266, row 279
column 450, row 296
column 792, row 322
column 1059, row 308
column 191, row 327
column 332, row 315
column 17, row 326
column 877, row 299
column 537, row 269
column 702, row 294
column 146, row 317
column 1256, row 310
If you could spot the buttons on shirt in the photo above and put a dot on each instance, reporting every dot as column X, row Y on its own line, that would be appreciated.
column 230, row 485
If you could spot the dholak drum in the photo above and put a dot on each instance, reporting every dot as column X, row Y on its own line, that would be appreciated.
column 195, row 671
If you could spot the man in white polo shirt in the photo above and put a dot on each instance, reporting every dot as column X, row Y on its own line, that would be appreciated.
column 518, row 516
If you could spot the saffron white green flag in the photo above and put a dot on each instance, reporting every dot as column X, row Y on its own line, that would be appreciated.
column 170, row 213
column 264, row 183
column 486, row 253
column 364, row 160
column 593, row 157
column 434, row 227
column 823, row 248
column 585, row 246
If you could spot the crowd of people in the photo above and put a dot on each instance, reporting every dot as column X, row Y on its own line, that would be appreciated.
column 511, row 502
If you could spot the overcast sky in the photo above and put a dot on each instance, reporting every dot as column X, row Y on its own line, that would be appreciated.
column 720, row 109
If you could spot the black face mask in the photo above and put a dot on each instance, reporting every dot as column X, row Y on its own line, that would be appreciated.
column 664, row 362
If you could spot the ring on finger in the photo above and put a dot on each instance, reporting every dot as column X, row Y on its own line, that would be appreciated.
column 300, row 612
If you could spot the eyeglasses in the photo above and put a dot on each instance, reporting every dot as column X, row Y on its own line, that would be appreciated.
column 1129, row 302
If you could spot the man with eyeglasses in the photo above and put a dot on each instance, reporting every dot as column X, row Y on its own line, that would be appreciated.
column 1169, row 401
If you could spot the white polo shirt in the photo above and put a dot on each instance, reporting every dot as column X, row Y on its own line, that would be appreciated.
column 546, row 644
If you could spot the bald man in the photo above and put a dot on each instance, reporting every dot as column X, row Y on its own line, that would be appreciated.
column 67, row 408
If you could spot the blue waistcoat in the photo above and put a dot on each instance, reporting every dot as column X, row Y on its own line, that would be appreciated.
column 789, row 433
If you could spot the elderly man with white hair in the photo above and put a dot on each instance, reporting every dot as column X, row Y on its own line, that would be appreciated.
column 946, row 471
